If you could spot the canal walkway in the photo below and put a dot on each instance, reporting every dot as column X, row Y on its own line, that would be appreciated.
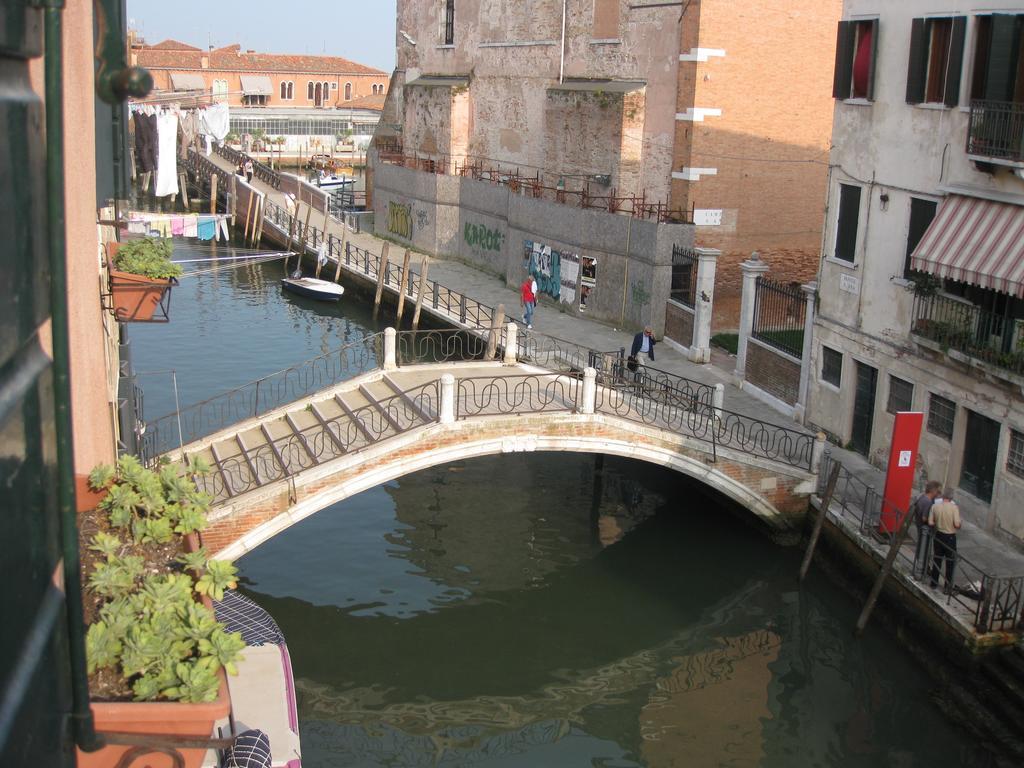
column 984, row 550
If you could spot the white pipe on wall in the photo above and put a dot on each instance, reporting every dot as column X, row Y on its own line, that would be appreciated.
column 561, row 63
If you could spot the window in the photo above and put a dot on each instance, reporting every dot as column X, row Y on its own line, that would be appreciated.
column 847, row 222
column 856, row 51
column 284, row 90
column 334, row 86
column 998, row 73
column 291, row 90
column 448, row 22
column 936, row 58
column 941, row 414
column 1015, row 456
column 309, row 90
column 921, row 214
column 831, row 366
column 348, row 91
column 254, row 100
column 220, row 90
column 901, row 395
column 606, row 19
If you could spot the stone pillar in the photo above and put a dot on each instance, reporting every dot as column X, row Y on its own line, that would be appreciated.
column 810, row 294
column 718, row 400
column 752, row 269
column 446, row 414
column 589, row 390
column 511, row 344
column 817, row 454
column 703, row 304
column 390, row 362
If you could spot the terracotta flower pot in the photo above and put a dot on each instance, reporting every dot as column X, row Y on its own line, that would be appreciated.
column 135, row 298
column 173, row 718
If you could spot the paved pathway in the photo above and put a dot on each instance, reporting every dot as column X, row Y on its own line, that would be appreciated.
column 987, row 551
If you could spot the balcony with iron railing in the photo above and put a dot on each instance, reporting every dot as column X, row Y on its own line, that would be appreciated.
column 996, row 131
column 957, row 326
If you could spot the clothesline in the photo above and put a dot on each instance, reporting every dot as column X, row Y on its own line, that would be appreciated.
column 205, row 226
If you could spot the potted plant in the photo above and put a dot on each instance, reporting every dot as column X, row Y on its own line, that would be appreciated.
column 156, row 652
column 141, row 277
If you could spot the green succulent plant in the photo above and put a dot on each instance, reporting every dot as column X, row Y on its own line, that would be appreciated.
column 149, row 257
column 150, row 626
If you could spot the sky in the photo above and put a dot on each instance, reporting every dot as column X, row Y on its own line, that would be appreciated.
column 360, row 30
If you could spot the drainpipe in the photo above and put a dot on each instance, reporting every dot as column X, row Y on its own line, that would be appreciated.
column 84, row 728
column 561, row 63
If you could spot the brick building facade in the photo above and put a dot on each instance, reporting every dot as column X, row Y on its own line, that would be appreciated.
column 251, row 79
column 719, row 108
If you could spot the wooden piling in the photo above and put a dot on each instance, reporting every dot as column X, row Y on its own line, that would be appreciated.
column 248, row 216
column 213, row 193
column 402, row 281
column 382, row 272
column 497, row 321
column 288, row 248
column 182, row 185
column 234, row 197
column 826, row 500
column 424, row 266
column 883, row 574
column 258, row 221
column 341, row 254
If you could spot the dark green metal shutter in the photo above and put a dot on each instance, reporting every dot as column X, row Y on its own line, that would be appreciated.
column 1002, row 57
column 955, row 65
column 844, row 60
column 34, row 691
column 917, row 67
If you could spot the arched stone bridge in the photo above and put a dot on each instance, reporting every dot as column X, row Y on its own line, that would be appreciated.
column 273, row 469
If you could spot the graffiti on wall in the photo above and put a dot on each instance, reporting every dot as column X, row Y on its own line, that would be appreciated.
column 567, row 277
column 400, row 220
column 484, row 238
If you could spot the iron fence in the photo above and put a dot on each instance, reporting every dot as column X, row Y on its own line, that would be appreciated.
column 996, row 130
column 260, row 396
column 519, row 394
column 285, row 456
column 438, row 346
column 684, row 276
column 994, row 603
column 779, row 311
column 997, row 339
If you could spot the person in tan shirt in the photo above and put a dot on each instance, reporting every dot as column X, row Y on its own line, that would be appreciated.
column 944, row 519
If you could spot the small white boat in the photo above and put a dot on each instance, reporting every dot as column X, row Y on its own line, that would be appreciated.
column 331, row 182
column 312, row 288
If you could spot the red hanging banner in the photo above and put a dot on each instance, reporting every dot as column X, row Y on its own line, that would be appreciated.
column 899, row 480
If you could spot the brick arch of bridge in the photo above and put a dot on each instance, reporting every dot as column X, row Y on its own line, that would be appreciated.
column 775, row 493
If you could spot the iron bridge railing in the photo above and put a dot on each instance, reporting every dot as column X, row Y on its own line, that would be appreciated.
column 995, row 603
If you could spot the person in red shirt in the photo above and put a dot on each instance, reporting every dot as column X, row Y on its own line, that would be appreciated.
column 528, row 298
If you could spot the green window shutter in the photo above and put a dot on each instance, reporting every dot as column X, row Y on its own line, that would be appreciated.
column 874, row 59
column 917, row 67
column 1002, row 58
column 955, row 65
column 844, row 61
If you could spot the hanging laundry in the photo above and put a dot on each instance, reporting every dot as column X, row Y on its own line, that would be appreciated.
column 192, row 225
column 145, row 142
column 214, row 121
column 207, row 227
column 222, row 230
column 177, row 225
column 167, row 156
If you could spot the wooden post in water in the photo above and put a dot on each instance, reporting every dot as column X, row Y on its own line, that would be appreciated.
column 248, row 216
column 305, row 234
column 497, row 321
column 876, row 589
column 288, row 248
column 382, row 272
column 183, row 186
column 213, row 193
column 424, row 266
column 402, row 279
column 234, row 197
column 258, row 221
column 341, row 253
column 826, row 500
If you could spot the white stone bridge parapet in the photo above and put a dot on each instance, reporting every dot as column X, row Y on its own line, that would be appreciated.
column 283, row 463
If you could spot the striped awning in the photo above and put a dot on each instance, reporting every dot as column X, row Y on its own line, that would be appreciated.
column 187, row 81
column 975, row 241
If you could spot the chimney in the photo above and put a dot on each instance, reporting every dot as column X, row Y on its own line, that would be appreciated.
column 251, row 52
column 205, row 63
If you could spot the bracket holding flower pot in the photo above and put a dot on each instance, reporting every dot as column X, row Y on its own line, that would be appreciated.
column 135, row 298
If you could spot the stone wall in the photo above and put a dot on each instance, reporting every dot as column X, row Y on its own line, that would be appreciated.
column 679, row 324
column 492, row 228
column 772, row 371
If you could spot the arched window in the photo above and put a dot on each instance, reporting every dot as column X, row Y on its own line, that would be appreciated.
column 327, row 92
column 220, row 90
column 348, row 91
column 291, row 90
column 309, row 90
column 318, row 94
column 284, row 91
column 380, row 88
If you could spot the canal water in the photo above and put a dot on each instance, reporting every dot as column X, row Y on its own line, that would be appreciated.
column 544, row 609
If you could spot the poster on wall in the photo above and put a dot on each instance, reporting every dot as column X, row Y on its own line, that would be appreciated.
column 567, row 277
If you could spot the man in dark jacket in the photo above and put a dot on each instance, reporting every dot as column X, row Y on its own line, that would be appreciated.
column 643, row 342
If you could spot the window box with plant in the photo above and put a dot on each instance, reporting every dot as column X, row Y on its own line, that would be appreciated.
column 156, row 652
column 141, row 277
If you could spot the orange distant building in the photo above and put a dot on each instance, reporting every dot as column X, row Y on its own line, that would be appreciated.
column 252, row 79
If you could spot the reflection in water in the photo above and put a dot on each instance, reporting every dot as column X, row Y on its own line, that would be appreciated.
column 514, row 610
